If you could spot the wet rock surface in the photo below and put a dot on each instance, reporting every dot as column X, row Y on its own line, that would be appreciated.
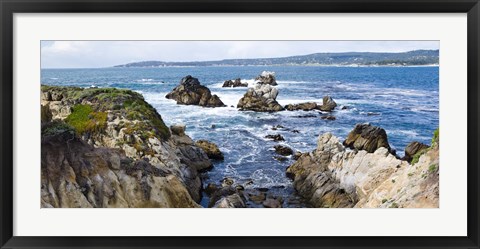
column 191, row 92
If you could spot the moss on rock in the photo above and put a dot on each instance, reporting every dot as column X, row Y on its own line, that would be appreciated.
column 102, row 101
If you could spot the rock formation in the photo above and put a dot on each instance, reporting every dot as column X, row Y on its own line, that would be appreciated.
column 121, row 119
column 412, row 149
column 307, row 106
column 191, row 92
column 77, row 175
column 266, row 77
column 334, row 176
column 328, row 105
column 367, row 137
column 261, row 98
column 235, row 83
column 211, row 149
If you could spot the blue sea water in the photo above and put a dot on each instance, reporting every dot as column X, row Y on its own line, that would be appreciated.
column 402, row 100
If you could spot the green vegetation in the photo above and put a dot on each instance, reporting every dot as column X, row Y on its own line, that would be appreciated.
column 417, row 156
column 55, row 128
column 126, row 103
column 85, row 120
column 436, row 137
column 384, row 200
column 432, row 168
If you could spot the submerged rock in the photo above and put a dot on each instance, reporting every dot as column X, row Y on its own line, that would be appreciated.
column 307, row 106
column 283, row 150
column 267, row 77
column 236, row 83
column 212, row 150
column 367, row 137
column 191, row 92
column 328, row 117
column 276, row 137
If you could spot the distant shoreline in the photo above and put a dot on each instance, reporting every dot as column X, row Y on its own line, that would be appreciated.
column 307, row 65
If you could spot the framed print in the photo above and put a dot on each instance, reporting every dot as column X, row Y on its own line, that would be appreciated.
column 238, row 124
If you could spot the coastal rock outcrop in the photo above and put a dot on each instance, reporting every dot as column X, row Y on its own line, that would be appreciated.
column 328, row 105
column 307, row 106
column 266, row 77
column 121, row 119
column 412, row 149
column 367, row 137
column 334, row 176
column 261, row 98
column 234, row 83
column 74, row 174
column 191, row 92
column 211, row 149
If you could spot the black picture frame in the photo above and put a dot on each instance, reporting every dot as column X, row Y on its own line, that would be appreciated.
column 10, row 7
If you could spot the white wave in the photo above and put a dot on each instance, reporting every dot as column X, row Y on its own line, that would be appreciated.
column 54, row 78
column 291, row 82
column 424, row 109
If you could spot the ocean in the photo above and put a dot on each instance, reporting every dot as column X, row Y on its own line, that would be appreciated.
column 402, row 100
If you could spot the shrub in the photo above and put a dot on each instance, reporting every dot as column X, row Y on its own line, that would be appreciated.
column 436, row 137
column 55, row 128
column 85, row 120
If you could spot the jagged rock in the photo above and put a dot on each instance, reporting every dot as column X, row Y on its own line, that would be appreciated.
column 212, row 150
column 261, row 98
column 367, row 137
column 331, row 176
column 412, row 149
column 307, row 106
column 283, row 150
column 236, row 83
column 266, row 78
column 227, row 197
column 191, row 92
column 231, row 201
column 75, row 175
column 276, row 137
column 122, row 119
column 328, row 104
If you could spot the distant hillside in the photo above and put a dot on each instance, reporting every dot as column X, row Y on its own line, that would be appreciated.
column 417, row 57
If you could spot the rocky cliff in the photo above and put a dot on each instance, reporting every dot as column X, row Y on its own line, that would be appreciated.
column 108, row 123
column 335, row 176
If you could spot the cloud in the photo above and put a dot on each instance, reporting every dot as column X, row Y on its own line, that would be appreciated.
column 89, row 54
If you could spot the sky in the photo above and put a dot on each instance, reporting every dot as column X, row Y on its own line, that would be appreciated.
column 94, row 54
